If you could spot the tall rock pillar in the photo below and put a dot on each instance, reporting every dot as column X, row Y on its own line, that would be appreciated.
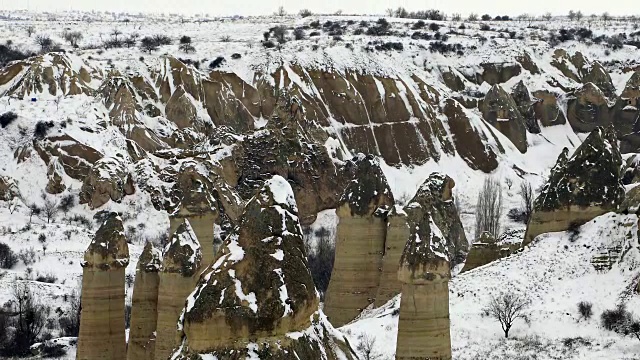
column 181, row 261
column 144, row 305
column 424, row 326
column 102, row 327
column 360, row 241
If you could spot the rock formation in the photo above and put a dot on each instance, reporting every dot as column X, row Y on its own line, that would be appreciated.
column 424, row 326
column 8, row 188
column 259, row 291
column 576, row 193
column 500, row 110
column 486, row 249
column 144, row 305
column 589, row 109
column 547, row 110
column 181, row 260
column 525, row 102
column 102, row 328
column 107, row 180
column 396, row 236
column 55, row 173
column 360, row 241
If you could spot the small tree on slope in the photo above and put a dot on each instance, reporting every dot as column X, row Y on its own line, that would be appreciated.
column 507, row 308
column 489, row 208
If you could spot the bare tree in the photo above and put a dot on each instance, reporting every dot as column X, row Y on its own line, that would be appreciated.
column 72, row 37
column 33, row 210
column 45, row 42
column 31, row 30
column 579, row 15
column 547, row 16
column 50, row 209
column 115, row 33
column 30, row 318
column 526, row 195
column 473, row 17
column 508, row 308
column 366, row 346
column 605, row 17
column 489, row 208
column 281, row 11
column 572, row 15
column 508, row 182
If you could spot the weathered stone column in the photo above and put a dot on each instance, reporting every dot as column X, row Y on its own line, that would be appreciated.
column 102, row 328
column 360, row 240
column 424, row 327
column 144, row 305
column 181, row 261
column 395, row 240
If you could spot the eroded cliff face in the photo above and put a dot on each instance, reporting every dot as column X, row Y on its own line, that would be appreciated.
column 259, row 290
column 102, row 327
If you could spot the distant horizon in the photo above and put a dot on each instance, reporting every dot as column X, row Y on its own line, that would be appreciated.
column 356, row 7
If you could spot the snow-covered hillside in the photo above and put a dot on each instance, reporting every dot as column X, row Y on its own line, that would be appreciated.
column 555, row 272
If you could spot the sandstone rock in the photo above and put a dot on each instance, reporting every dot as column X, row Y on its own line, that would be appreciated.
column 102, row 332
column 435, row 196
column 547, row 110
column 397, row 233
column 470, row 142
column 174, row 74
column 203, row 197
column 528, row 63
column 625, row 114
column 487, row 249
column 258, row 290
column 500, row 110
column 525, row 103
column 452, row 79
column 562, row 61
column 76, row 157
column 424, row 326
column 51, row 73
column 107, row 180
column 182, row 259
column 144, row 305
column 497, row 73
column 576, row 193
column 589, row 109
column 181, row 109
column 360, row 241
column 8, row 188
column 597, row 75
column 55, row 173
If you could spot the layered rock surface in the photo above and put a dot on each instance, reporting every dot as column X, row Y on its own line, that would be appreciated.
column 259, row 291
column 580, row 188
column 182, row 259
column 144, row 305
column 102, row 327
column 360, row 241
column 424, row 325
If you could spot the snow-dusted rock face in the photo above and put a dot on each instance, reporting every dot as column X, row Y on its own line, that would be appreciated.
column 525, row 102
column 259, row 291
column 360, row 241
column 8, row 188
column 76, row 157
column 580, row 188
column 424, row 326
column 102, row 328
column 501, row 111
column 107, row 180
column 144, row 305
column 181, row 265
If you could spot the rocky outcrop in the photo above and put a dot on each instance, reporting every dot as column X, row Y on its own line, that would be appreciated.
column 102, row 327
column 76, row 157
column 528, row 63
column 181, row 109
column 360, row 241
column 107, row 180
column 525, row 102
column 547, row 110
column 497, row 73
column 182, row 259
column 144, row 305
column 8, row 188
column 470, row 141
column 55, row 173
column 424, row 325
column 50, row 74
column 589, row 109
column 563, row 62
column 487, row 249
column 597, row 75
column 576, row 193
column 200, row 195
column 259, row 290
column 500, row 110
